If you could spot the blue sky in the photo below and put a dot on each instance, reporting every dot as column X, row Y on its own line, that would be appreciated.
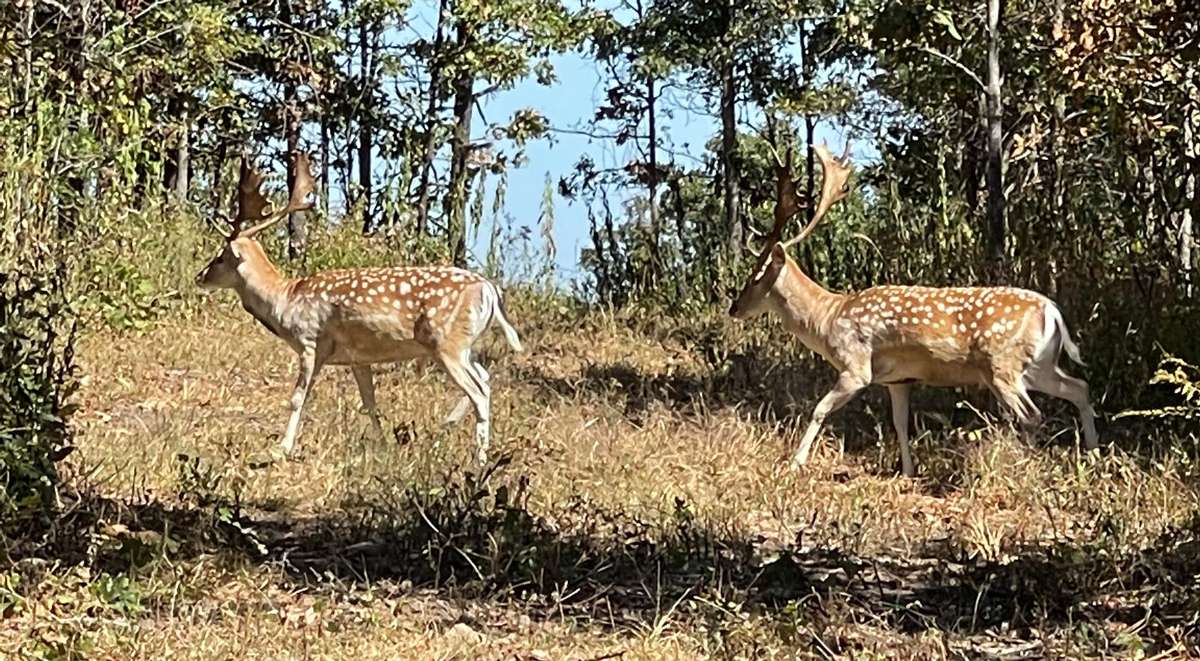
column 570, row 104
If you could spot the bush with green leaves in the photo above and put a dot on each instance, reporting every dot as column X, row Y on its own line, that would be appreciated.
column 36, row 336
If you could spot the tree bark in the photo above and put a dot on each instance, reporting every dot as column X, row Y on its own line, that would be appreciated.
column 652, row 181
column 729, row 174
column 1191, row 206
column 297, row 233
column 183, row 160
column 429, row 149
column 366, row 121
column 1058, row 221
column 460, row 145
column 170, row 172
column 809, row 123
column 995, row 138
column 324, row 176
column 219, row 200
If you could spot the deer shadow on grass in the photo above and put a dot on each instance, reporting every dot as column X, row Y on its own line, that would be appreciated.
column 471, row 538
column 777, row 392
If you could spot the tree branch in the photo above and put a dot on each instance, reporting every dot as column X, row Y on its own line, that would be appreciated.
column 953, row 62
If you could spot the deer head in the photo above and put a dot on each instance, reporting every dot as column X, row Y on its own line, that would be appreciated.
column 253, row 216
column 788, row 202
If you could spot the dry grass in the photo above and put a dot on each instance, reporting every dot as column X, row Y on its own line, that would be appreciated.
column 641, row 508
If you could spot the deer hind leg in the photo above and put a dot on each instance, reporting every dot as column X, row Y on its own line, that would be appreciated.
column 848, row 385
column 899, row 394
column 471, row 378
column 460, row 410
column 1015, row 399
column 1057, row 383
column 366, row 390
column 311, row 360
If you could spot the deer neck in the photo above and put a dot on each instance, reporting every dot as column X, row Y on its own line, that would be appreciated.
column 263, row 291
column 806, row 307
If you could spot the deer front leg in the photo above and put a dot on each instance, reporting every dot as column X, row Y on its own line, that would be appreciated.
column 366, row 390
column 848, row 385
column 899, row 395
column 310, row 365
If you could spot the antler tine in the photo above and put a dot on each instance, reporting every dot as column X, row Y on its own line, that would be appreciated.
column 834, row 188
column 301, row 187
column 250, row 200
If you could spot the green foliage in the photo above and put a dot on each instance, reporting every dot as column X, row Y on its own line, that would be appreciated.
column 120, row 593
column 36, row 337
column 37, row 323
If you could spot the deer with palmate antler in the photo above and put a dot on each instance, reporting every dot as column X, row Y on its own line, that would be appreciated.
column 1003, row 338
column 359, row 317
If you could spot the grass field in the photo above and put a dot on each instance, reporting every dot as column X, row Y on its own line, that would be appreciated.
column 638, row 506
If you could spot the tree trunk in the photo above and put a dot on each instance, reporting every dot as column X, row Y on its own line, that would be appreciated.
column 1191, row 206
column 460, row 145
column 365, row 121
column 183, row 160
column 1058, row 222
column 729, row 174
column 995, row 138
column 429, row 149
column 347, row 148
column 218, row 172
column 809, row 123
column 297, row 232
column 324, row 176
column 170, row 172
column 652, row 181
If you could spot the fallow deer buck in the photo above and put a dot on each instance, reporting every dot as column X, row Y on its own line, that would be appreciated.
column 1004, row 338
column 359, row 317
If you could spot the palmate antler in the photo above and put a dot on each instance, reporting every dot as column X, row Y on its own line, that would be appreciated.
column 253, row 206
column 834, row 188
column 789, row 201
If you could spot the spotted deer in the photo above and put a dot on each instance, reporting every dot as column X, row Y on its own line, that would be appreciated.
column 359, row 317
column 1003, row 338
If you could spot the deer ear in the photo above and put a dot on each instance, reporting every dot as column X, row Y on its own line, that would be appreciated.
column 778, row 254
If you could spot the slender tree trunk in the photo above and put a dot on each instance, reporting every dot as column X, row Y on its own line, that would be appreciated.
column 366, row 122
column 809, row 122
column 324, row 176
column 1191, row 206
column 429, row 149
column 995, row 138
column 1058, row 222
column 652, row 181
column 729, row 174
column 297, row 231
column 183, row 159
column 170, row 172
column 218, row 169
column 460, row 145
